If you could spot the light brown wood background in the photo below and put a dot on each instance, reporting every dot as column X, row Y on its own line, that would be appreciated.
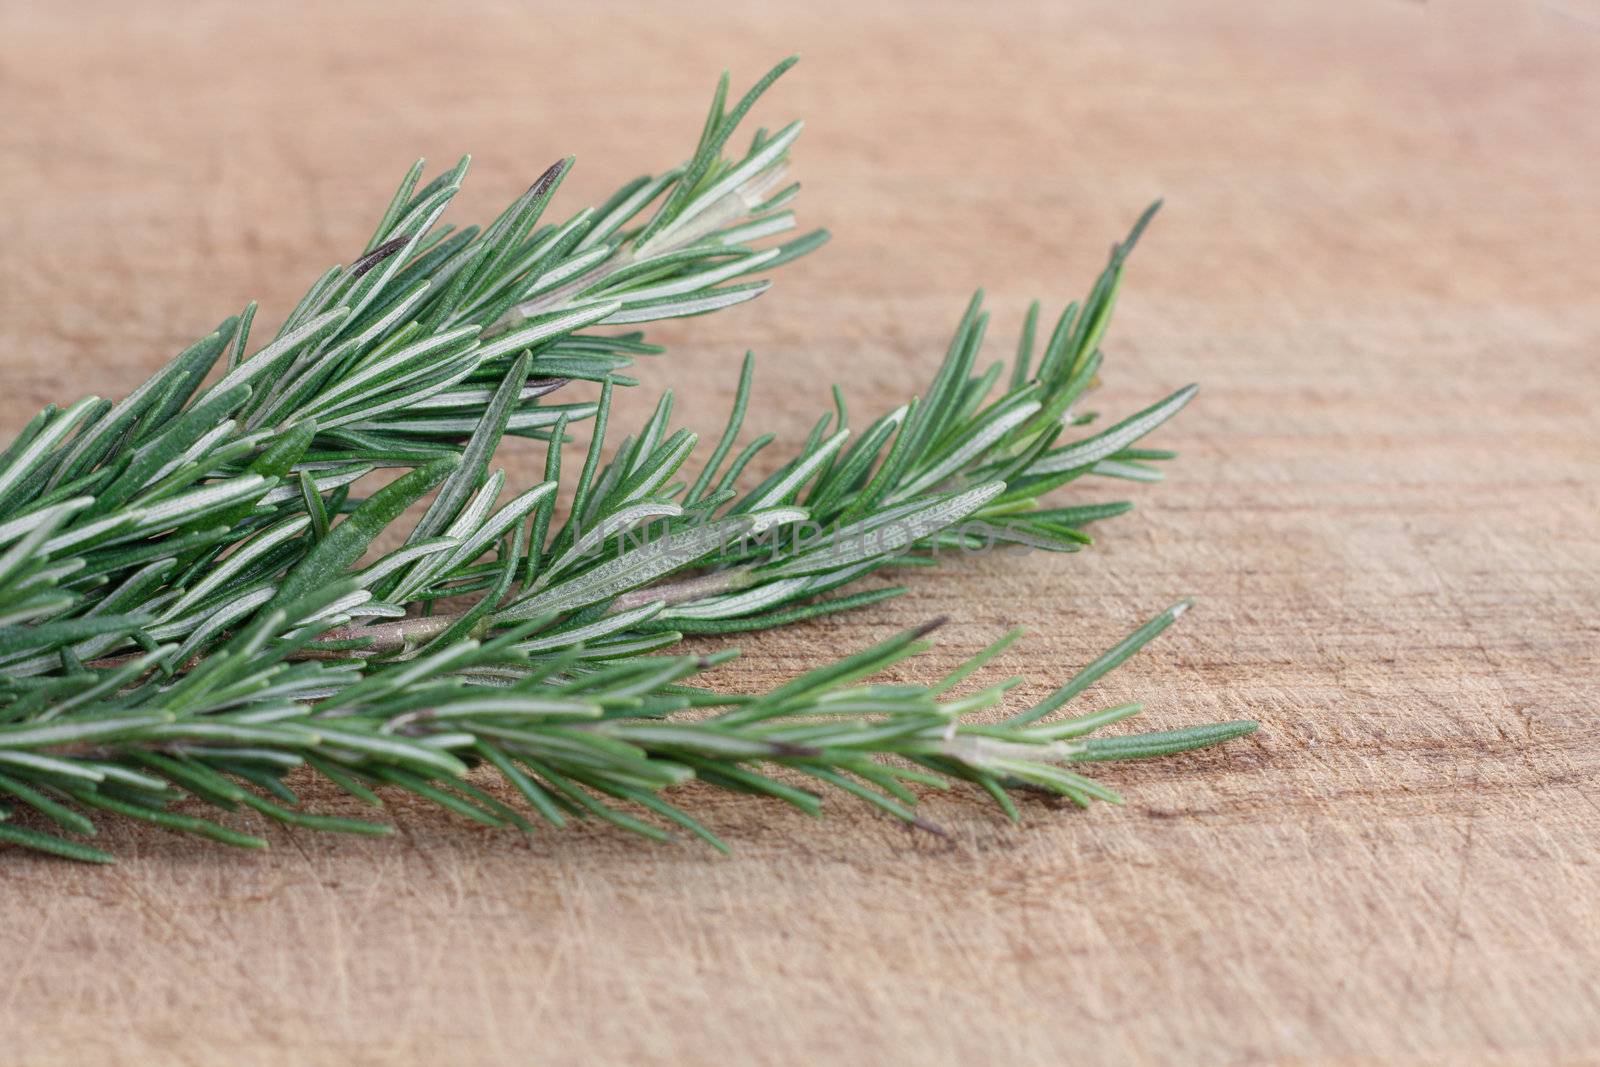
column 1378, row 255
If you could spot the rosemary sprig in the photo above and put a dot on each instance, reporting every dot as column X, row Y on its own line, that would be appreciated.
column 184, row 610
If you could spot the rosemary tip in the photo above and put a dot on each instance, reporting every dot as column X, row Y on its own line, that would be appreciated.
column 379, row 254
column 790, row 750
column 542, row 386
column 548, row 178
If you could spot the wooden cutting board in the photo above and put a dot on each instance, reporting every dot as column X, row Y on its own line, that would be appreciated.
column 1378, row 255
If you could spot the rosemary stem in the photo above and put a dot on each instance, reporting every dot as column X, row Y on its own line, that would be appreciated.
column 397, row 635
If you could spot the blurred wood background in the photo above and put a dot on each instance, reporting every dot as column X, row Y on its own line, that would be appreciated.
column 1378, row 256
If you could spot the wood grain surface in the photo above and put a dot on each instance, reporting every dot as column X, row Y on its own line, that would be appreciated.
column 1378, row 255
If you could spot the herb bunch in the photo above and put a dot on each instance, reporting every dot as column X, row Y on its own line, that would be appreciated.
column 190, row 606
